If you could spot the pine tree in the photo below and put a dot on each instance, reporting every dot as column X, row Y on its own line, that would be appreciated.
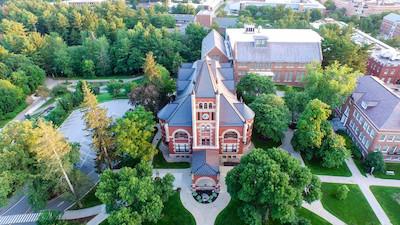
column 150, row 68
column 99, row 124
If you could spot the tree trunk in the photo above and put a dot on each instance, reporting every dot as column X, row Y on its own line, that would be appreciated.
column 109, row 162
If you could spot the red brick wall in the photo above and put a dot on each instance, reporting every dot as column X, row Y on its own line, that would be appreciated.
column 216, row 54
column 388, row 74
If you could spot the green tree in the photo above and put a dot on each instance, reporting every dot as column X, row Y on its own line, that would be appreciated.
column 337, row 45
column 88, row 68
column 99, row 124
column 272, row 116
column 255, row 181
column 375, row 160
column 331, row 85
column 342, row 192
column 49, row 218
column 311, row 127
column 296, row 102
column 253, row 85
column 131, row 195
column 195, row 33
column 133, row 134
column 150, row 70
column 333, row 151
column 11, row 97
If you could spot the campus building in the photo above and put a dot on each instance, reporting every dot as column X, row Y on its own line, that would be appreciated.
column 295, row 5
column 281, row 54
column 371, row 116
column 390, row 26
column 385, row 64
column 206, row 122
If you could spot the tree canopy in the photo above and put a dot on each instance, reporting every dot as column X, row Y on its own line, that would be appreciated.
column 270, row 184
column 132, row 196
column 272, row 116
column 331, row 85
column 253, row 85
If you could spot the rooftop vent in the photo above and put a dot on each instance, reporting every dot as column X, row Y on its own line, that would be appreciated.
column 249, row 28
column 259, row 29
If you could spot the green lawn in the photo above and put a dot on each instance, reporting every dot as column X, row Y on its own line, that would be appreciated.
column 317, row 168
column 160, row 163
column 353, row 210
column 360, row 165
column 9, row 116
column 104, row 97
column 174, row 213
column 393, row 167
column 389, row 198
column 261, row 142
column 312, row 217
column 229, row 216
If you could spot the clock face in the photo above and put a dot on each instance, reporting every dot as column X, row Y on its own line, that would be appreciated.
column 205, row 116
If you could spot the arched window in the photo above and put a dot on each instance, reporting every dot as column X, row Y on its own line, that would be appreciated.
column 201, row 105
column 205, row 105
column 230, row 135
column 181, row 135
column 210, row 105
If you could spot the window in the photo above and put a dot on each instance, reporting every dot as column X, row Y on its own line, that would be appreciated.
column 230, row 148
column 367, row 144
column 382, row 138
column 372, row 134
column 201, row 105
column 397, row 138
column 377, row 148
column 205, row 106
column 390, row 138
column 205, row 141
column 230, row 135
column 181, row 135
column 182, row 148
column 385, row 148
column 261, row 43
column 210, row 106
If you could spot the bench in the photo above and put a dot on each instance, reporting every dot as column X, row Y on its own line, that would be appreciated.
column 390, row 172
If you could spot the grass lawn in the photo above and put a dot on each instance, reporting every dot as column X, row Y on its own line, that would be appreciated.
column 261, row 142
column 89, row 200
column 104, row 97
column 317, row 168
column 312, row 217
column 389, row 198
column 229, row 216
column 11, row 115
column 353, row 210
column 360, row 166
column 393, row 167
column 174, row 213
column 160, row 163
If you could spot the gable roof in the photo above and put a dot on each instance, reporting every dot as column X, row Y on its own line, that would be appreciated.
column 211, row 41
column 205, row 163
column 207, row 79
column 393, row 17
column 283, row 45
column 379, row 103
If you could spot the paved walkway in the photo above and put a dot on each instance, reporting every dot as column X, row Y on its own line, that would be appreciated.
column 357, row 178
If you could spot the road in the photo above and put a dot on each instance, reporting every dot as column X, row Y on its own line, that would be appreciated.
column 74, row 130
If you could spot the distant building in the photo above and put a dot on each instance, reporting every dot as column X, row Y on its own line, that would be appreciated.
column 372, row 118
column 390, row 27
column 206, row 122
column 383, row 61
column 83, row 2
column 213, row 46
column 207, row 18
column 296, row 5
column 385, row 64
column 281, row 54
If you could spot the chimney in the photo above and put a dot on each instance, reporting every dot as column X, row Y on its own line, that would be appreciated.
column 249, row 28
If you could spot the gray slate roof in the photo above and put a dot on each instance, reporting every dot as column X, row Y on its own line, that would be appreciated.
column 205, row 163
column 206, row 78
column 226, row 22
column 211, row 41
column 279, row 52
column 384, row 111
column 393, row 17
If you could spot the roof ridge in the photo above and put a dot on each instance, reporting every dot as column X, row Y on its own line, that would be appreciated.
column 178, row 107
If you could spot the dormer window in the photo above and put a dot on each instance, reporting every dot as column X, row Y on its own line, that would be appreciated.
column 364, row 105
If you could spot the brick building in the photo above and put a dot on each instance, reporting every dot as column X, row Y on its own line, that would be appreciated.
column 371, row 116
column 206, row 122
column 385, row 64
column 390, row 26
column 281, row 54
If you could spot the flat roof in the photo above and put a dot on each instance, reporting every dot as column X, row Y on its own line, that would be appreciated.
column 274, row 35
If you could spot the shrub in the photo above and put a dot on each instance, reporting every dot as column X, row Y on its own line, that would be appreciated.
column 342, row 192
column 57, row 116
column 355, row 151
column 114, row 88
column 375, row 160
column 49, row 218
column 59, row 90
